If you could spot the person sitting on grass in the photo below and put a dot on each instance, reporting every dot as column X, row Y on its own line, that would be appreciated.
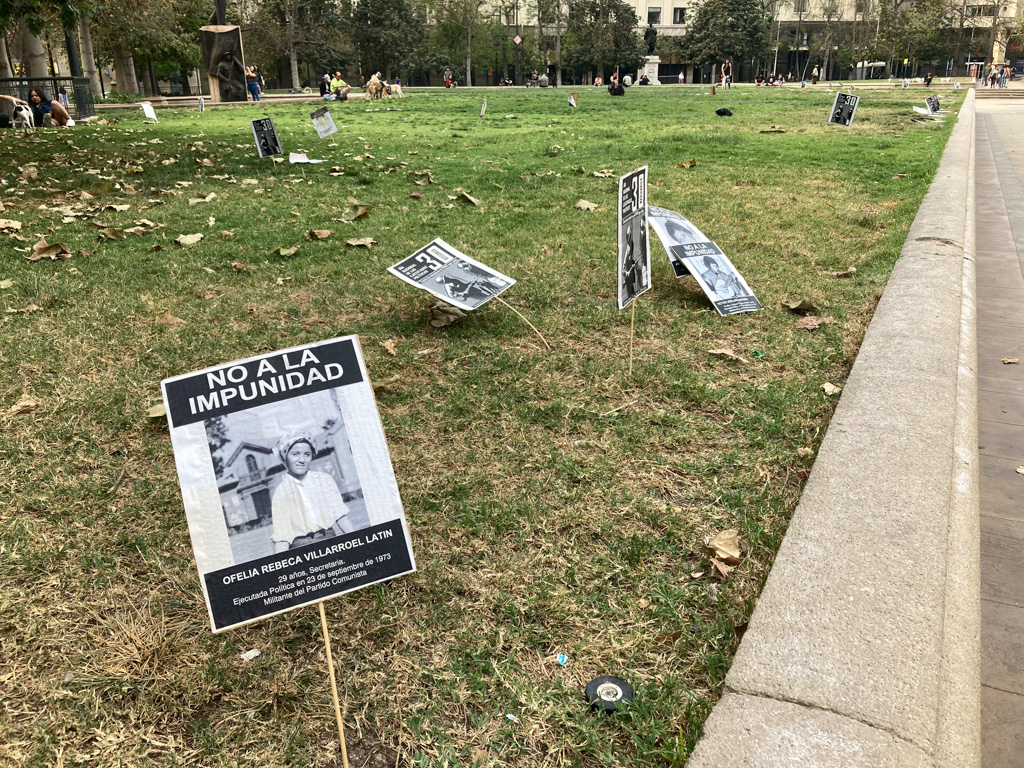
column 615, row 88
column 339, row 88
column 46, row 112
column 307, row 505
column 325, row 89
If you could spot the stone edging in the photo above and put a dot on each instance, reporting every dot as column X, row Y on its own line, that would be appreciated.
column 864, row 648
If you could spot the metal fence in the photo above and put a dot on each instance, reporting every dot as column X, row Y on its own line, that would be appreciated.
column 77, row 89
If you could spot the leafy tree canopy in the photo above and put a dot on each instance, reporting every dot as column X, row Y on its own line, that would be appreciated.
column 727, row 29
column 602, row 33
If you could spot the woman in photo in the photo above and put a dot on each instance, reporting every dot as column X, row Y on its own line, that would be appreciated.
column 307, row 505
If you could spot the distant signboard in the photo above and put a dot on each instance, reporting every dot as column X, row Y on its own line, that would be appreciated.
column 843, row 109
column 933, row 104
column 265, row 134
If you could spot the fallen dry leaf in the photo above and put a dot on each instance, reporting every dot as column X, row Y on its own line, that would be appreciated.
column 899, row 175
column 800, row 305
column 5, row 284
column 9, row 225
column 811, row 322
column 364, row 242
column 830, row 389
column 585, row 205
column 226, row 233
column 23, row 310
column 1011, row 361
column 197, row 200
column 239, row 266
column 447, row 206
column 467, row 198
column 728, row 354
column 188, row 239
column 45, row 250
column 417, row 195
column 725, row 545
column 804, row 453
column 318, row 234
column 692, row 163
column 356, row 210
column 156, row 249
column 283, row 251
column 723, row 569
column 846, row 272
column 156, row 411
column 606, row 173
column 1020, row 470
column 442, row 314
column 389, row 345
column 111, row 233
column 166, row 318
column 25, row 405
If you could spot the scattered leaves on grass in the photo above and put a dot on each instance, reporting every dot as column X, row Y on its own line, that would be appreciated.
column 727, row 354
column 447, row 206
column 899, row 175
column 416, row 195
column 804, row 453
column 722, row 570
column 156, row 249
column 801, row 305
column 1011, row 361
column 197, row 200
column 226, row 233
column 111, row 233
column 9, row 225
column 157, row 411
column 101, row 188
column 830, row 389
column 166, row 318
column 389, row 345
column 811, row 322
column 442, row 314
column 691, row 163
column 318, row 234
column 604, row 174
column 467, row 198
column 846, row 272
column 357, row 242
column 5, row 284
column 23, row 310
column 282, row 250
column 422, row 178
column 239, row 266
column 725, row 545
column 25, row 405
column 188, row 239
column 53, row 251
column 585, row 205
column 112, row 207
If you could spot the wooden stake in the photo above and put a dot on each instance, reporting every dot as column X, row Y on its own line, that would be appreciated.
column 498, row 298
column 632, row 319
column 334, row 685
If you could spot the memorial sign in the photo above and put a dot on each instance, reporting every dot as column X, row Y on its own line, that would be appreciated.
column 843, row 109
column 265, row 134
column 323, row 123
column 286, row 480
column 451, row 275
column 634, row 260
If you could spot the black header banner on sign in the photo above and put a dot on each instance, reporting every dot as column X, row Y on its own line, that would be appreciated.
column 258, row 588
column 261, row 381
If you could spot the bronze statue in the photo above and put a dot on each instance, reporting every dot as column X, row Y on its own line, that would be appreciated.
column 220, row 13
column 651, row 38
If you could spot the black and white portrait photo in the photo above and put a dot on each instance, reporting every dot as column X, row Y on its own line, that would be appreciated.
column 674, row 229
column 265, row 134
column 451, row 275
column 717, row 277
column 285, row 475
column 286, row 480
column 634, row 253
column 843, row 109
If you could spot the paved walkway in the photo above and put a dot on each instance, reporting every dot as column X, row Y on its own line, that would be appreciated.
column 1000, row 275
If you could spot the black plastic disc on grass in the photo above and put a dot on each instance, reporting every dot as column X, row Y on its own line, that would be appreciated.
column 608, row 693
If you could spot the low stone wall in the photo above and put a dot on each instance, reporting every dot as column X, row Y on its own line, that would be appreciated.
column 864, row 648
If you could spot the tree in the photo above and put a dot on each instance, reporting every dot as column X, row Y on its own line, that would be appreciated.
column 306, row 31
column 387, row 34
column 551, row 18
column 602, row 32
column 463, row 16
column 724, row 30
column 37, row 13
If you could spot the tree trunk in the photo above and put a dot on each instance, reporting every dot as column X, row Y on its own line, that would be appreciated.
column 5, row 61
column 558, row 55
column 88, row 57
column 35, row 56
column 293, row 56
column 469, row 53
column 131, row 79
column 120, row 77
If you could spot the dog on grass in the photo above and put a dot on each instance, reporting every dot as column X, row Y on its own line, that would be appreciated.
column 23, row 117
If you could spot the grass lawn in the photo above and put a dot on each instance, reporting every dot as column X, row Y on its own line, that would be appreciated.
column 557, row 505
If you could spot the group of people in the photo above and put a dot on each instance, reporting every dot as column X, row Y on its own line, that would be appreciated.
column 772, row 79
column 334, row 88
column 45, row 112
column 996, row 76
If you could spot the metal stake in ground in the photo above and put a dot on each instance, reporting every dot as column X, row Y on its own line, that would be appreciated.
column 334, row 685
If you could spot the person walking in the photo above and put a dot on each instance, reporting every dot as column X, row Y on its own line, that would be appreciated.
column 727, row 74
column 814, row 75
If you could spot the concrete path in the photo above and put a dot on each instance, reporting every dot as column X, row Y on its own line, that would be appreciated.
column 1000, row 293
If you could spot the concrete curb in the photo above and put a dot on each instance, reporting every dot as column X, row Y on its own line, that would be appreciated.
column 864, row 648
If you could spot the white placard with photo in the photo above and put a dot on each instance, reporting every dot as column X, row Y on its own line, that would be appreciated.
column 451, row 275
column 323, row 123
column 148, row 111
column 286, row 480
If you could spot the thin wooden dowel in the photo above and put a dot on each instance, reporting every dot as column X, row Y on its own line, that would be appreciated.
column 525, row 321
column 632, row 320
column 334, row 685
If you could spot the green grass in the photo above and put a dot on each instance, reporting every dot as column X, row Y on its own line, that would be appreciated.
column 542, row 521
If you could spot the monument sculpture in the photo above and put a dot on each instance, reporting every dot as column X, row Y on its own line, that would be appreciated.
column 223, row 56
column 652, row 62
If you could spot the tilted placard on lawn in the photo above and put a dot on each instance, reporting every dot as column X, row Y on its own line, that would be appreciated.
column 286, row 480
column 451, row 275
column 634, row 262
column 843, row 109
column 323, row 123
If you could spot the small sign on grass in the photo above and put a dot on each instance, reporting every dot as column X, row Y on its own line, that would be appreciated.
column 286, row 480
column 634, row 262
column 449, row 274
column 932, row 103
column 265, row 134
column 843, row 109
column 323, row 123
column 149, row 112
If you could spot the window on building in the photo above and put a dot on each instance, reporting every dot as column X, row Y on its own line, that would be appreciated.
column 861, row 7
column 980, row 10
column 801, row 6
column 678, row 15
column 654, row 15
column 251, row 465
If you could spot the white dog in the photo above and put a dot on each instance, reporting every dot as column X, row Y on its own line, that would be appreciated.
column 23, row 117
